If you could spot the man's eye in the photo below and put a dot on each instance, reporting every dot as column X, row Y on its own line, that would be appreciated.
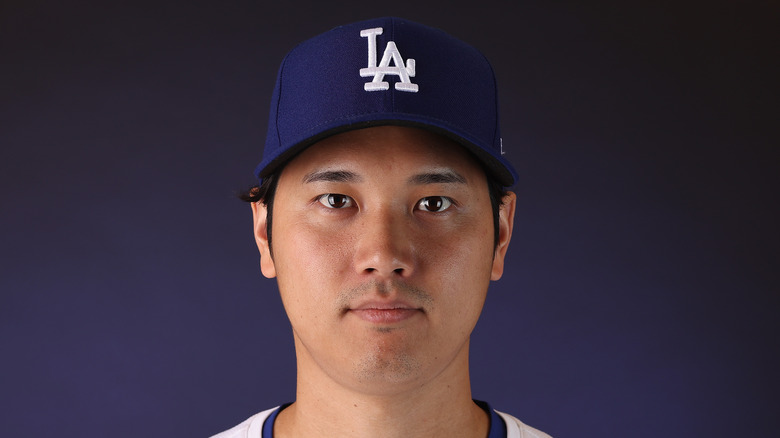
column 334, row 200
column 434, row 203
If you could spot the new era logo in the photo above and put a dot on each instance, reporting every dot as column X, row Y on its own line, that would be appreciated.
column 404, row 71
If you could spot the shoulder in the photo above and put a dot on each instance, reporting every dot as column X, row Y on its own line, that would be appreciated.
column 517, row 429
column 251, row 428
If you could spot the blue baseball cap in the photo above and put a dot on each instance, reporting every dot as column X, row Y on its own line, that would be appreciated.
column 386, row 71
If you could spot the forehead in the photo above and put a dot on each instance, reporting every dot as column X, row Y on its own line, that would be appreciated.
column 395, row 149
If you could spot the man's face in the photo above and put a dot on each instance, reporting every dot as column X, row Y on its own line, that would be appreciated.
column 383, row 250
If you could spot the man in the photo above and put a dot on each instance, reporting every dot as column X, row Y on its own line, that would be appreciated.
column 383, row 215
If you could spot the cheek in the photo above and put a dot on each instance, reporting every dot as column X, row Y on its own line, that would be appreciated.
column 461, row 261
column 469, row 241
column 307, row 259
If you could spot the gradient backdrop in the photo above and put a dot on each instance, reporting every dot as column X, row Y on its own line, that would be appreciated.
column 641, row 297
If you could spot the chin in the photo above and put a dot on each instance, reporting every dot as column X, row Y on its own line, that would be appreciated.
column 390, row 371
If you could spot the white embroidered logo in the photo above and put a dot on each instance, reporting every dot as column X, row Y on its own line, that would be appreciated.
column 404, row 72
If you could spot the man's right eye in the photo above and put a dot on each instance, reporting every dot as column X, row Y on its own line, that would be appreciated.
column 335, row 200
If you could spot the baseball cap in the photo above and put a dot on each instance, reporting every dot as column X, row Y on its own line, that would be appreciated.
column 385, row 71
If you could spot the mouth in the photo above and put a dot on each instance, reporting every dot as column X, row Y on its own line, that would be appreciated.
column 385, row 313
column 385, row 303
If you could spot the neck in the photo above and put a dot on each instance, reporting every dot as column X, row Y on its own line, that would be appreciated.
column 440, row 407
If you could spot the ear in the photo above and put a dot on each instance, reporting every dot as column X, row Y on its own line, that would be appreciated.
column 259, row 216
column 506, row 220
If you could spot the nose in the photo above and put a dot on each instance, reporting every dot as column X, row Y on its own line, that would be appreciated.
column 384, row 247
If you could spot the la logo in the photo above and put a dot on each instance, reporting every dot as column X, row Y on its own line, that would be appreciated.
column 404, row 72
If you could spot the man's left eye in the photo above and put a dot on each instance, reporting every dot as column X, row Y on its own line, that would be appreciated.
column 434, row 204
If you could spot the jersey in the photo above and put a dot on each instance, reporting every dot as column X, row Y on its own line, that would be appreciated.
column 501, row 426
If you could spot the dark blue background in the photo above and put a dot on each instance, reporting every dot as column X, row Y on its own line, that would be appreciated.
column 641, row 296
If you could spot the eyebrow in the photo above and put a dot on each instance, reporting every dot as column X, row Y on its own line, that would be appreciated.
column 332, row 176
column 442, row 177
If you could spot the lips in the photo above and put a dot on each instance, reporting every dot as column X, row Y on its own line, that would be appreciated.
column 384, row 312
